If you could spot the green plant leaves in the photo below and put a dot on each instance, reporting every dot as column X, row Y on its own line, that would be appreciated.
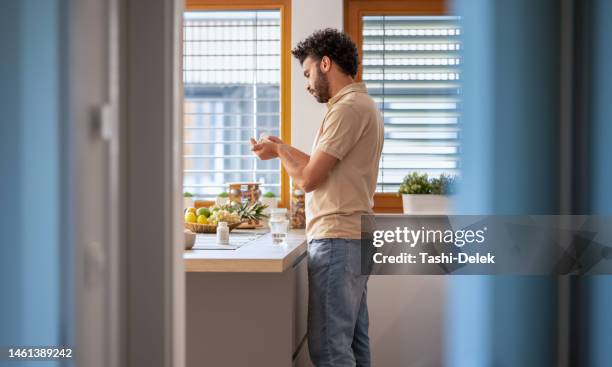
column 420, row 183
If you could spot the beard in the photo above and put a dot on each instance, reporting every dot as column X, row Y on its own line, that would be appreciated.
column 321, row 88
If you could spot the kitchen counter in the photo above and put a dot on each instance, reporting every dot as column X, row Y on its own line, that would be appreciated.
column 247, row 302
column 256, row 254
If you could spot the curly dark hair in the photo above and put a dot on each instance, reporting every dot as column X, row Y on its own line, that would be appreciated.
column 332, row 43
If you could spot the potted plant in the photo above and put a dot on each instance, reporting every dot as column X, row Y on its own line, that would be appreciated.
column 222, row 198
column 269, row 199
column 422, row 195
column 443, row 185
column 187, row 200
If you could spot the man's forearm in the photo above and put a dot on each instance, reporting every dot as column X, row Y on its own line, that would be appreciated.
column 294, row 161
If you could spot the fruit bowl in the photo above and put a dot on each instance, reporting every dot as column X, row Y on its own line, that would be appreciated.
column 208, row 228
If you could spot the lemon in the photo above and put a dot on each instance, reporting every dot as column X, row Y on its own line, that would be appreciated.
column 202, row 219
column 191, row 210
column 203, row 211
column 190, row 217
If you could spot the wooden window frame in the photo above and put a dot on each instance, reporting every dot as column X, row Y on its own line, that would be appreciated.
column 354, row 10
column 284, row 6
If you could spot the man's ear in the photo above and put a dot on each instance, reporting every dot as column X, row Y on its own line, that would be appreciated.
column 325, row 64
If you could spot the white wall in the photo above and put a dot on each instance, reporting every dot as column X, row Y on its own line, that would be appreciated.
column 306, row 113
column 406, row 312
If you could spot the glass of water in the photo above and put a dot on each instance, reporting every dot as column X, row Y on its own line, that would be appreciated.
column 279, row 225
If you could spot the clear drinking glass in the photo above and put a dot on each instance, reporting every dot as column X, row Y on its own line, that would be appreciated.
column 279, row 224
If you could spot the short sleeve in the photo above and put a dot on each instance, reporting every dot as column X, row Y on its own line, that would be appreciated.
column 341, row 131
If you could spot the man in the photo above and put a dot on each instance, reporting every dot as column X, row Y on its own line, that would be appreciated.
column 340, row 179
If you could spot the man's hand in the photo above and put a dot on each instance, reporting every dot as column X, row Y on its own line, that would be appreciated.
column 308, row 172
column 266, row 148
column 272, row 138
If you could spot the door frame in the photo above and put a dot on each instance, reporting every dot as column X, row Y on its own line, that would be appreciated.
column 152, row 86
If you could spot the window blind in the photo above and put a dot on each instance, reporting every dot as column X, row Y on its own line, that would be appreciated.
column 411, row 69
column 231, row 74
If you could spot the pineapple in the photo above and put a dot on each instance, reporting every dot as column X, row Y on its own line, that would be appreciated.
column 252, row 213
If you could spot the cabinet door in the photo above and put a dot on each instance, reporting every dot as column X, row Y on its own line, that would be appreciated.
column 300, row 308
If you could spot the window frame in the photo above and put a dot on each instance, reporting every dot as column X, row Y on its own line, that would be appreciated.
column 354, row 11
column 284, row 6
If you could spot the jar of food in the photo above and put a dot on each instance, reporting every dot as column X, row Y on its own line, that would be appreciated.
column 235, row 194
column 298, row 207
column 244, row 192
column 251, row 192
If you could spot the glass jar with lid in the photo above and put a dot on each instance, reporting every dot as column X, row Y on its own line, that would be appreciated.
column 298, row 207
column 279, row 224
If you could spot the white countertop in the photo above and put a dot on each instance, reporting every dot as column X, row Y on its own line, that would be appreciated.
column 253, row 252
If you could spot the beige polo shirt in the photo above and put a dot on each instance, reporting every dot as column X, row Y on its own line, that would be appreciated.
column 353, row 132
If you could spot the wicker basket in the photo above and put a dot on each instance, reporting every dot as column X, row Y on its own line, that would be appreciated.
column 208, row 228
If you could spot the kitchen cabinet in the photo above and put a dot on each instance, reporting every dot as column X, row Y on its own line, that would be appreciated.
column 248, row 307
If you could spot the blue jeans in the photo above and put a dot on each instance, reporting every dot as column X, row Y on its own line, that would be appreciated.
column 337, row 304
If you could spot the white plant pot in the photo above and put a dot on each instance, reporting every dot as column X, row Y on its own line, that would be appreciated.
column 221, row 201
column 187, row 202
column 426, row 204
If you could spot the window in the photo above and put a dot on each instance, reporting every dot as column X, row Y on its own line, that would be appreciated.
column 410, row 65
column 233, row 83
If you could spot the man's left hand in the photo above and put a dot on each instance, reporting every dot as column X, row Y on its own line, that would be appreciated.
column 265, row 149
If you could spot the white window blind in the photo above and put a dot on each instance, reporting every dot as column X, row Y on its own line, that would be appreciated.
column 231, row 74
column 411, row 69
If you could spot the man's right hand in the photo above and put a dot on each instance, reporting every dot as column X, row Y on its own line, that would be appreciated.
column 266, row 148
